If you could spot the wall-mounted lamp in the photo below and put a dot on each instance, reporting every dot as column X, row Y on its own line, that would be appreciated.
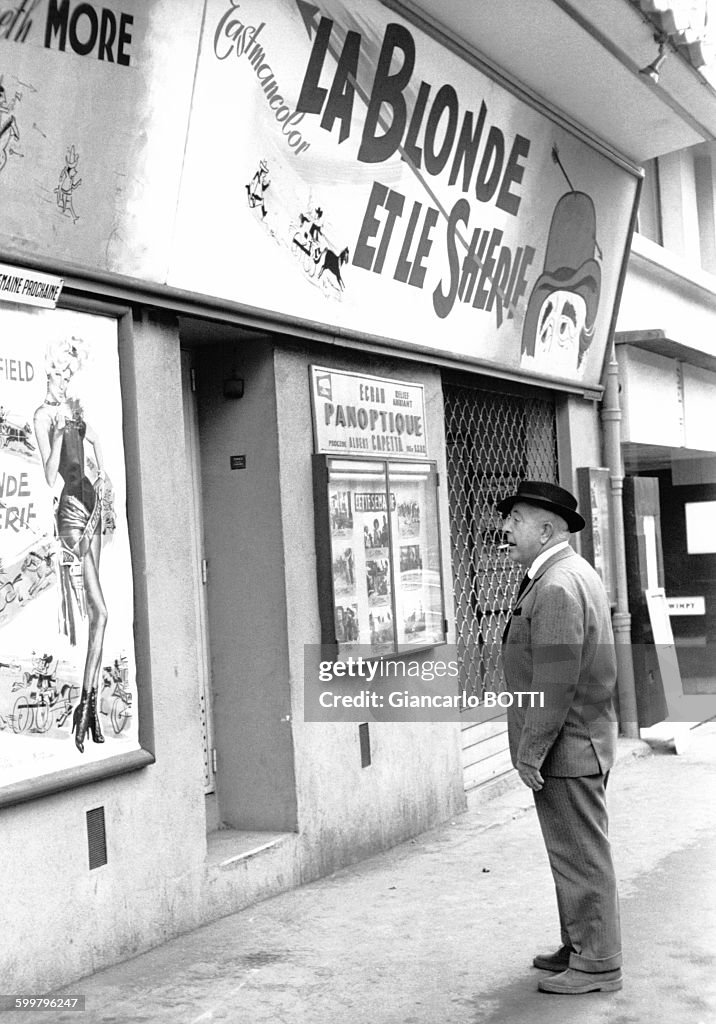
column 652, row 70
column 234, row 387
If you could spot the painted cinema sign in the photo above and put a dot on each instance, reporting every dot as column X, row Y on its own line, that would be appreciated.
column 330, row 163
column 354, row 172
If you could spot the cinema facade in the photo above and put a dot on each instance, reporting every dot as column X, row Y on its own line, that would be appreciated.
column 310, row 288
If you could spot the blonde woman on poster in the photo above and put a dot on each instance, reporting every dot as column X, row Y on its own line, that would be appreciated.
column 62, row 436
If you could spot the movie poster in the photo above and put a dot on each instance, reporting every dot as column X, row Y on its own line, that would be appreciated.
column 343, row 167
column 67, row 668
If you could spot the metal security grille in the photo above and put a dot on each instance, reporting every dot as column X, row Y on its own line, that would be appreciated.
column 494, row 440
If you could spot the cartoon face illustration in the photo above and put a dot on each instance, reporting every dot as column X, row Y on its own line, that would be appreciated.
column 561, row 321
column 562, row 308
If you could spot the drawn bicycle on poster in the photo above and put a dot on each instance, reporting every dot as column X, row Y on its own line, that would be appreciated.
column 118, row 704
column 33, row 712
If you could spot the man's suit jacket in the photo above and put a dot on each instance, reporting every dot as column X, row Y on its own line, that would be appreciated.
column 560, row 643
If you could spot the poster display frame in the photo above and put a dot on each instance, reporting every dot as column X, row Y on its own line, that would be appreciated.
column 597, row 543
column 78, row 775
column 411, row 599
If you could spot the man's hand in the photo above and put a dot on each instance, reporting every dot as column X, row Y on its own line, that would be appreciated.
column 530, row 776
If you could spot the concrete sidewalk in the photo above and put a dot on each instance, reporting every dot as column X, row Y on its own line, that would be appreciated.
column 442, row 929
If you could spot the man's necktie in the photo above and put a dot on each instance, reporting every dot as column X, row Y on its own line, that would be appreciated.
column 524, row 582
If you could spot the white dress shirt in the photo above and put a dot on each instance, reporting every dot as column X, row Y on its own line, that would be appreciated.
column 544, row 555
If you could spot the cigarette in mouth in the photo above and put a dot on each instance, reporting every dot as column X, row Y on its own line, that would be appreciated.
column 502, row 547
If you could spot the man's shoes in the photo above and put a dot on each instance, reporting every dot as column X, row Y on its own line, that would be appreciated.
column 576, row 983
column 558, row 961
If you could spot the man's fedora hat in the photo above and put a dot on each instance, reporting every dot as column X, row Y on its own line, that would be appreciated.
column 550, row 496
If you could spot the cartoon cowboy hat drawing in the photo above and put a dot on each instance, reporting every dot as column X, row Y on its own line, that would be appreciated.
column 563, row 305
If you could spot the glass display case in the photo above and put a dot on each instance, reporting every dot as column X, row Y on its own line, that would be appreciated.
column 378, row 554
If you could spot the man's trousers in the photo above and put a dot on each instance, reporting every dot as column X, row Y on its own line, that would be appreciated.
column 572, row 814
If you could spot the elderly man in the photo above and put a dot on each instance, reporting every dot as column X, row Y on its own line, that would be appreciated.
column 559, row 642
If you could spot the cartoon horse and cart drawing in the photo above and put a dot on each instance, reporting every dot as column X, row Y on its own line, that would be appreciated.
column 308, row 244
column 12, row 434
column 316, row 258
column 308, row 241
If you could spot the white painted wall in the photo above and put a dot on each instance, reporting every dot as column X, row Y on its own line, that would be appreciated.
column 652, row 410
column 665, row 292
column 699, row 408
column 679, row 210
column 668, row 401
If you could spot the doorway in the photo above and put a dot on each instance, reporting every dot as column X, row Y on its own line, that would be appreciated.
column 233, row 463
column 685, row 502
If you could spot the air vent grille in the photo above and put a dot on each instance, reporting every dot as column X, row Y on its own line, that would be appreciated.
column 96, row 838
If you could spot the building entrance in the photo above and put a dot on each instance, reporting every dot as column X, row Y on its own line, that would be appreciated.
column 495, row 438
column 684, row 505
column 232, row 461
